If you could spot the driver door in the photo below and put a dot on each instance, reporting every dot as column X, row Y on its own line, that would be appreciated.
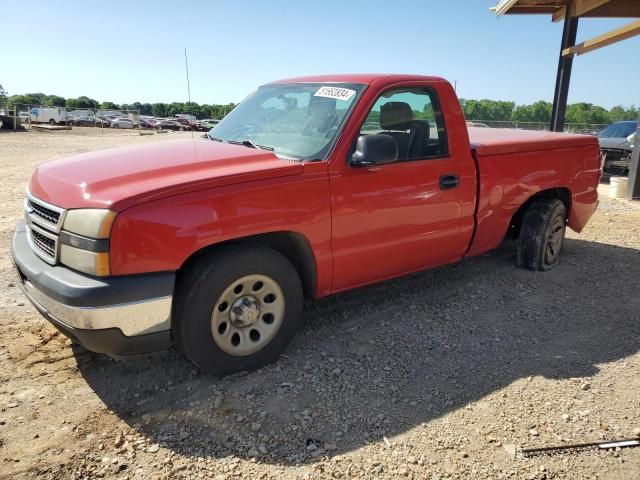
column 399, row 217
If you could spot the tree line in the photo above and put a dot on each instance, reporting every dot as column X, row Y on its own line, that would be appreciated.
column 486, row 110
column 540, row 112
column 156, row 109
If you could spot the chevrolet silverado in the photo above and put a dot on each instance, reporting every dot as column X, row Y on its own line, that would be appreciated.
column 309, row 187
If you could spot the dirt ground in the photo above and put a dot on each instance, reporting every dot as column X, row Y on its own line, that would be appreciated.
column 443, row 374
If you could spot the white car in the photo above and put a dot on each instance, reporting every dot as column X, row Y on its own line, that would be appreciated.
column 122, row 123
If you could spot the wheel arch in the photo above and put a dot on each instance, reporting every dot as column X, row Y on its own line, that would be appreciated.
column 292, row 245
column 561, row 193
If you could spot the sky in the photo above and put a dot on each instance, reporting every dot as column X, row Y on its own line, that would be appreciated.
column 126, row 51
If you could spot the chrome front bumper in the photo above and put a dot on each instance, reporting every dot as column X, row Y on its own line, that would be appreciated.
column 114, row 315
column 134, row 318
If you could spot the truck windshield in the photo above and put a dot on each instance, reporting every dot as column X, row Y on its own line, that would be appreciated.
column 299, row 120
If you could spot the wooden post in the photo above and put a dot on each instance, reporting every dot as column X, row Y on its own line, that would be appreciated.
column 563, row 77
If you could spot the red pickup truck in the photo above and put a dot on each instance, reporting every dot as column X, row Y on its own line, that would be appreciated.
column 309, row 187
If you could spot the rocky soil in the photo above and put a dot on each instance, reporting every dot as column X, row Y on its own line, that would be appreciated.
column 443, row 374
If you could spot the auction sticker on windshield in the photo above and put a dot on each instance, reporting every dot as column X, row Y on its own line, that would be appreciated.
column 335, row 92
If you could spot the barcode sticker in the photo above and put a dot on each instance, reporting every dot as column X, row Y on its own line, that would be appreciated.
column 335, row 92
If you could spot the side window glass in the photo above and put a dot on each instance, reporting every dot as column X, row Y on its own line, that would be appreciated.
column 413, row 118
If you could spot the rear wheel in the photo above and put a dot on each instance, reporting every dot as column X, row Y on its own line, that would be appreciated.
column 52, row 122
column 542, row 235
column 237, row 309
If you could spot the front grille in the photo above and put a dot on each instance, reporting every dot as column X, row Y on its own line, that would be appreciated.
column 44, row 221
column 41, row 211
column 45, row 244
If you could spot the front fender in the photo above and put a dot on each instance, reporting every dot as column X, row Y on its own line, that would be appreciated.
column 161, row 235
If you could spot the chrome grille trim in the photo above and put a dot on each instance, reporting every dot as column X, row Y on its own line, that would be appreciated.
column 43, row 213
column 44, row 222
column 45, row 250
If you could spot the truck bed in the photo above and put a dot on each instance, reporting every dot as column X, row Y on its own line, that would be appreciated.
column 498, row 141
column 514, row 165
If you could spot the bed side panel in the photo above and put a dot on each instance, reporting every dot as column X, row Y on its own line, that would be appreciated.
column 507, row 181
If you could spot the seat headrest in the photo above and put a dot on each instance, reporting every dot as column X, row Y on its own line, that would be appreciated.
column 396, row 116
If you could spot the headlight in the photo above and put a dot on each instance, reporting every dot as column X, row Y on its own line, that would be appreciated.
column 84, row 240
column 89, row 222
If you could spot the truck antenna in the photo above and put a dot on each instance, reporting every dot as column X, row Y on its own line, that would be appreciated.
column 186, row 67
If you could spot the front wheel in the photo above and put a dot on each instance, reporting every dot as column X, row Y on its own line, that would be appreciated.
column 542, row 234
column 237, row 309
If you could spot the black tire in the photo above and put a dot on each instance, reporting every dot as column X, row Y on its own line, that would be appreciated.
column 541, row 235
column 52, row 122
column 200, row 289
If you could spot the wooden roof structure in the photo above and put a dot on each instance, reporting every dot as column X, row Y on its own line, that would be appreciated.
column 579, row 8
column 562, row 9
column 571, row 11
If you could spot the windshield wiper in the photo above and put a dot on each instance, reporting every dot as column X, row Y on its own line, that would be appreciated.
column 251, row 144
column 215, row 139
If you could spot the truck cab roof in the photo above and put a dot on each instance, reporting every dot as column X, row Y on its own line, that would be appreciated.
column 362, row 78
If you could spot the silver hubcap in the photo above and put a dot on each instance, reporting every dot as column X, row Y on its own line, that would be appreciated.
column 247, row 315
column 554, row 240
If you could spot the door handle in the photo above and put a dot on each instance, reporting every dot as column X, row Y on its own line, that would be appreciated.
column 447, row 182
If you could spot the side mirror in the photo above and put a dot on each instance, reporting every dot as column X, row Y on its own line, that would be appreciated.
column 377, row 149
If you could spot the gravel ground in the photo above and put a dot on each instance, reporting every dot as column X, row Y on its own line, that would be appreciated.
column 443, row 374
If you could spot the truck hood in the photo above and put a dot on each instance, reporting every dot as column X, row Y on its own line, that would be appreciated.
column 122, row 177
column 621, row 143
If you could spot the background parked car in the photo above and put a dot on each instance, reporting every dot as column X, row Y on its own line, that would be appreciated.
column 171, row 125
column 616, row 142
column 103, row 122
column 122, row 123
column 186, row 122
column 147, row 123
column 208, row 124
column 84, row 122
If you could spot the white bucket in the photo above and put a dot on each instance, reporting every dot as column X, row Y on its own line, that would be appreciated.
column 617, row 187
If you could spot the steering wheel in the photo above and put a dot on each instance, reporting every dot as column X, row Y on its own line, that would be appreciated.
column 332, row 128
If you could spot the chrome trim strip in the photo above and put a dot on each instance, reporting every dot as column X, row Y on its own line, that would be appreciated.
column 135, row 318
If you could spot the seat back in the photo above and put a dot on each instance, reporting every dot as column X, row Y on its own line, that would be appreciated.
column 396, row 119
column 411, row 135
